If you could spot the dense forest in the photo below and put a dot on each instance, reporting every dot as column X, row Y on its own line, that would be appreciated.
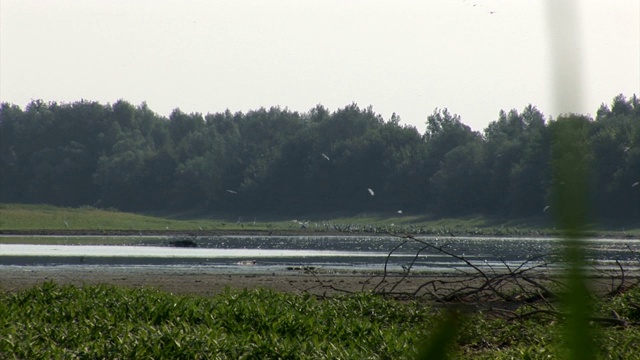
column 280, row 161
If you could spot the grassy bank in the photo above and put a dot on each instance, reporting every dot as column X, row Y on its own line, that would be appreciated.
column 47, row 218
column 56, row 322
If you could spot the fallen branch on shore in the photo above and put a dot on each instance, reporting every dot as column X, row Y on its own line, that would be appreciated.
column 535, row 283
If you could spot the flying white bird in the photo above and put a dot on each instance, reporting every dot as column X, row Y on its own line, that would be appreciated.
column 231, row 192
column 635, row 184
column 371, row 192
column 546, row 208
column 399, row 211
column 325, row 156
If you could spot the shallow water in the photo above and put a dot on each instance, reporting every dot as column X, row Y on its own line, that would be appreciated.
column 328, row 252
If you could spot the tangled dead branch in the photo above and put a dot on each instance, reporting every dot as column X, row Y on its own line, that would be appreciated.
column 536, row 282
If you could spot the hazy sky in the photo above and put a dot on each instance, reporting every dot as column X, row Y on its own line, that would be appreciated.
column 474, row 57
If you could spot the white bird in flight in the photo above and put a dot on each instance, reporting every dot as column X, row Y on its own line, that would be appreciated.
column 635, row 184
column 325, row 156
column 231, row 192
column 371, row 192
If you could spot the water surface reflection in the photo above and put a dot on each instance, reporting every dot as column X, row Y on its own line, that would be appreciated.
column 282, row 252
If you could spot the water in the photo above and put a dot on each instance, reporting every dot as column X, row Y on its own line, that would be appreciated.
column 269, row 253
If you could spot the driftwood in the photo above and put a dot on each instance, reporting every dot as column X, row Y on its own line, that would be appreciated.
column 183, row 243
column 534, row 284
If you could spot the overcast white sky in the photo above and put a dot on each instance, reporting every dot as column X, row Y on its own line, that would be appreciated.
column 474, row 57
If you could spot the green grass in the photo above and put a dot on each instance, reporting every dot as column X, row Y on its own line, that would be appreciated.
column 51, row 218
column 60, row 322
column 47, row 217
column 49, row 322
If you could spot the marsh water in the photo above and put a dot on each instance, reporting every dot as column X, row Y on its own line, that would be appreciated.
column 272, row 253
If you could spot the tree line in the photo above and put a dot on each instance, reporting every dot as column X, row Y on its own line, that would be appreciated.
column 281, row 161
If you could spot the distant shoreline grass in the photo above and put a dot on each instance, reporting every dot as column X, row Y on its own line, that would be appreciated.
column 48, row 219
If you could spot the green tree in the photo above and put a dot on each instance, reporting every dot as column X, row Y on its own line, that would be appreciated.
column 504, row 149
column 13, row 174
column 449, row 140
column 405, row 181
column 615, row 144
column 121, row 174
column 263, row 133
column 530, row 175
column 458, row 186
column 58, row 148
column 200, row 171
column 571, row 160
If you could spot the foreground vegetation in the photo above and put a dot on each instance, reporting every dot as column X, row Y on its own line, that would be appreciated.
column 48, row 218
column 61, row 322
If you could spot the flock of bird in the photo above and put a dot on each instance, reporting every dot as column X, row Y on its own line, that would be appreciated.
column 326, row 157
column 372, row 193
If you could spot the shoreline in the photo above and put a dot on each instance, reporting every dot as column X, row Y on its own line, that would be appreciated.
column 190, row 281
column 208, row 282
column 285, row 232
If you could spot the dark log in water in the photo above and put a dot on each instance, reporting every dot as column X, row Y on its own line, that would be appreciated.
column 183, row 243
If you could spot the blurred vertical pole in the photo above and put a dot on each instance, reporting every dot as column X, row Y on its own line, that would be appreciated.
column 565, row 54
column 569, row 163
